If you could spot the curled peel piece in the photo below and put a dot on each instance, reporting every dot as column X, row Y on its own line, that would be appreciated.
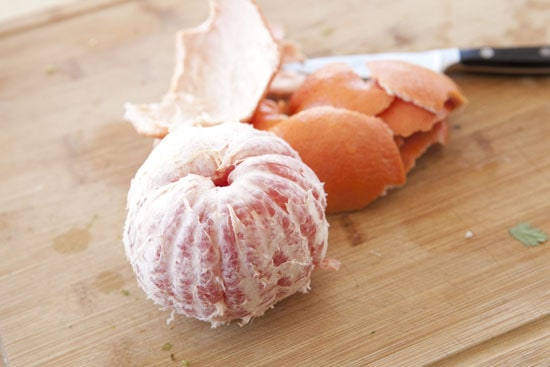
column 286, row 82
column 339, row 86
column 269, row 113
column 423, row 101
column 423, row 87
column 406, row 118
column 223, row 69
column 352, row 153
column 413, row 147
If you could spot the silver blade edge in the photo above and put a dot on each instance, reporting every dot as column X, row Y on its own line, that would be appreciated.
column 437, row 60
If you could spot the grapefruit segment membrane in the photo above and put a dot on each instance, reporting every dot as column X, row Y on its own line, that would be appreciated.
column 225, row 221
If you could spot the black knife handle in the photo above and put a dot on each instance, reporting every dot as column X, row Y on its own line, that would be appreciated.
column 513, row 59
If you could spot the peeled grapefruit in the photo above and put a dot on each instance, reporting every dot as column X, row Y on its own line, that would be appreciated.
column 223, row 222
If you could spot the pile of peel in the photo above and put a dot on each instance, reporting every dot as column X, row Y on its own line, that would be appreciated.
column 229, row 68
column 226, row 216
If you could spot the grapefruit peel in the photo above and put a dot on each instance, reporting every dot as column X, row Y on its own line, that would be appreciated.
column 222, row 71
column 412, row 101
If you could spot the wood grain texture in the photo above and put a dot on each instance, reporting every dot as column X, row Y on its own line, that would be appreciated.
column 412, row 289
column 38, row 15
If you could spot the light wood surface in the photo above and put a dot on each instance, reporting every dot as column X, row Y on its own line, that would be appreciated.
column 10, row 9
column 412, row 290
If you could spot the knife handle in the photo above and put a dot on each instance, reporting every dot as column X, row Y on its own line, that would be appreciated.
column 530, row 60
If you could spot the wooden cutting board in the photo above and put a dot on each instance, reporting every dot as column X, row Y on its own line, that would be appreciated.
column 413, row 289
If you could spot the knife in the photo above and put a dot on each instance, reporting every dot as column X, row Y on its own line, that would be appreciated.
column 510, row 60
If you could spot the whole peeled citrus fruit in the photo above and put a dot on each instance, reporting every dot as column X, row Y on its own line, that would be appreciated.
column 223, row 222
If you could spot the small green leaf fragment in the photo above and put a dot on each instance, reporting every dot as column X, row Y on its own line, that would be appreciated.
column 327, row 31
column 167, row 346
column 186, row 363
column 528, row 235
column 125, row 292
column 51, row 69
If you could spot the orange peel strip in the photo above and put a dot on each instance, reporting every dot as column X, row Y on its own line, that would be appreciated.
column 338, row 86
column 426, row 88
column 417, row 144
column 405, row 118
column 353, row 154
column 268, row 114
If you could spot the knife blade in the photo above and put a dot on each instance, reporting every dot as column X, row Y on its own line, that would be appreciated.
column 509, row 60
